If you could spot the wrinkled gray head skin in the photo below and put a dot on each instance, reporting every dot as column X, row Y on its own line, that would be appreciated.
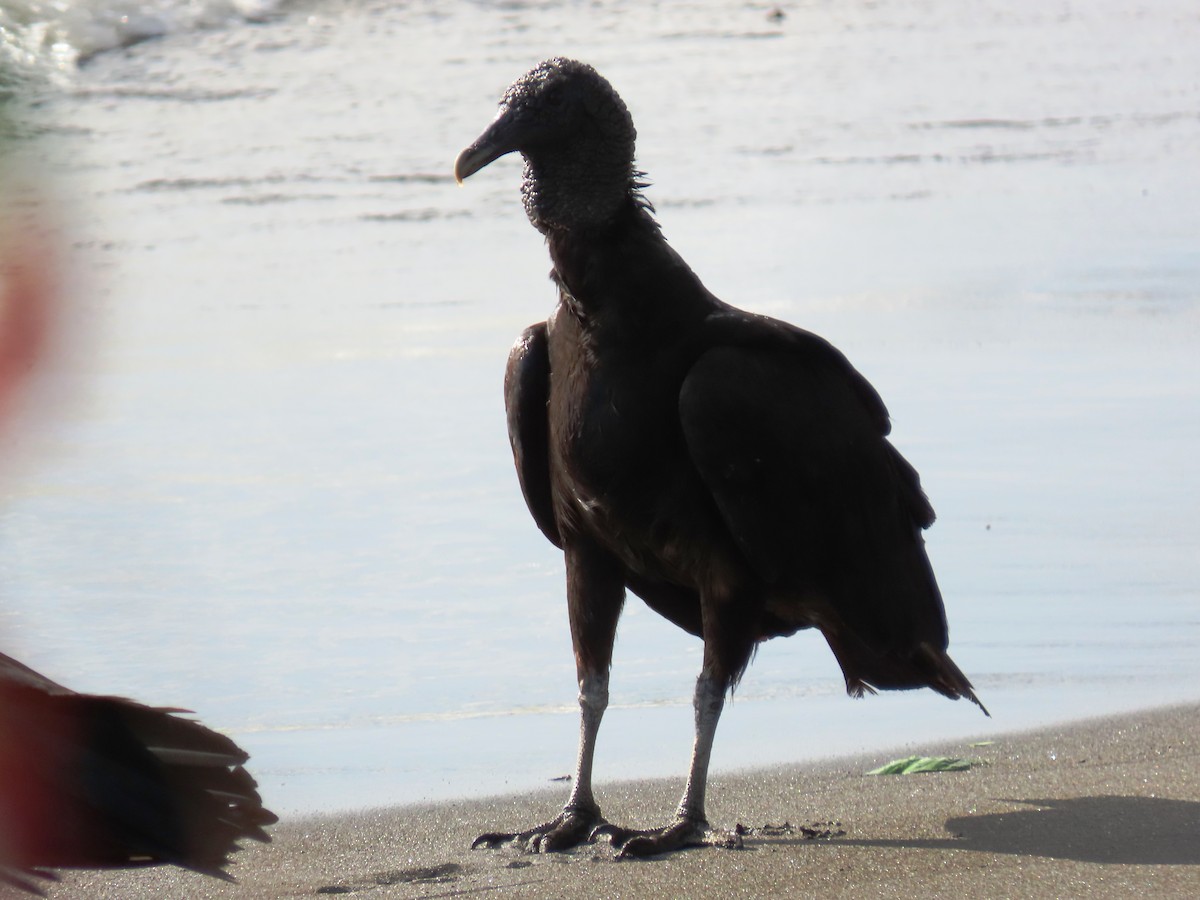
column 577, row 139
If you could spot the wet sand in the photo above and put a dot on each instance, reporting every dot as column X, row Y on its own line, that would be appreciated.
column 1107, row 807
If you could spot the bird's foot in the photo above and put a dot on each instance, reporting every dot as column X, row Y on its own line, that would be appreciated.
column 573, row 826
column 685, row 831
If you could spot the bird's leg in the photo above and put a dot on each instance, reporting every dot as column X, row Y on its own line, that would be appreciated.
column 690, row 828
column 728, row 624
column 580, row 814
column 708, row 702
column 593, row 701
column 595, row 594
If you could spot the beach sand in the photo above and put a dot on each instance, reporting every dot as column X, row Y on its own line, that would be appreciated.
column 1106, row 807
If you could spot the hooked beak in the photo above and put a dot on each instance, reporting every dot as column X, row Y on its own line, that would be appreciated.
column 499, row 138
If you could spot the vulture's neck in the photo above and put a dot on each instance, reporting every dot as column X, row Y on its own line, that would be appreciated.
column 614, row 274
column 585, row 190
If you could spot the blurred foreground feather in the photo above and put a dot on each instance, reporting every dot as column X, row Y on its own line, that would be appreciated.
column 103, row 781
column 90, row 780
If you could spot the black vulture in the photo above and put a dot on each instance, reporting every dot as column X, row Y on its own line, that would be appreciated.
column 89, row 781
column 730, row 469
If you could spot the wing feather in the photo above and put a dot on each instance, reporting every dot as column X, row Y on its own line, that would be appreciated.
column 796, row 462
column 790, row 441
column 526, row 396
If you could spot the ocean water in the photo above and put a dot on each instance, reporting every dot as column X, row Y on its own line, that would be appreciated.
column 266, row 476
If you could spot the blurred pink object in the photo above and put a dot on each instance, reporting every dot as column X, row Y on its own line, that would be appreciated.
column 88, row 780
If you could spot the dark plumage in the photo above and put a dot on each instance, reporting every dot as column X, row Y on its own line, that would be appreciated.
column 730, row 469
column 106, row 782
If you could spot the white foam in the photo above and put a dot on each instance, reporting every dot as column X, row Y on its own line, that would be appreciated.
column 56, row 35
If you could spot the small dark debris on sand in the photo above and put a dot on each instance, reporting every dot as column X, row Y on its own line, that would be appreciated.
column 812, row 832
column 441, row 874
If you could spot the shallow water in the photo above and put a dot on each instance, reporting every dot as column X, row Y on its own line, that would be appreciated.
column 275, row 486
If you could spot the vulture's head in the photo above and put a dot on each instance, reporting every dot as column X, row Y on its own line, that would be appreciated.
column 576, row 137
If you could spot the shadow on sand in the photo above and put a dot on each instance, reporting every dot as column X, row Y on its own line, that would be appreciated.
column 1121, row 830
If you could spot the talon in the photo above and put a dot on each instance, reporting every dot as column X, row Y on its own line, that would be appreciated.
column 683, row 833
column 614, row 834
column 491, row 839
column 570, row 828
column 637, row 847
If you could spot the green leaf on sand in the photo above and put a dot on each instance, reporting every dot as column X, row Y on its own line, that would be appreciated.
column 913, row 765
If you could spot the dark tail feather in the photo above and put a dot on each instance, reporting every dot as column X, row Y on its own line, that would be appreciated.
column 106, row 782
column 867, row 672
column 945, row 677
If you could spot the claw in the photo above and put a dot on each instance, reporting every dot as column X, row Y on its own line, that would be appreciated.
column 614, row 834
column 575, row 826
column 684, row 832
column 491, row 839
column 570, row 828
